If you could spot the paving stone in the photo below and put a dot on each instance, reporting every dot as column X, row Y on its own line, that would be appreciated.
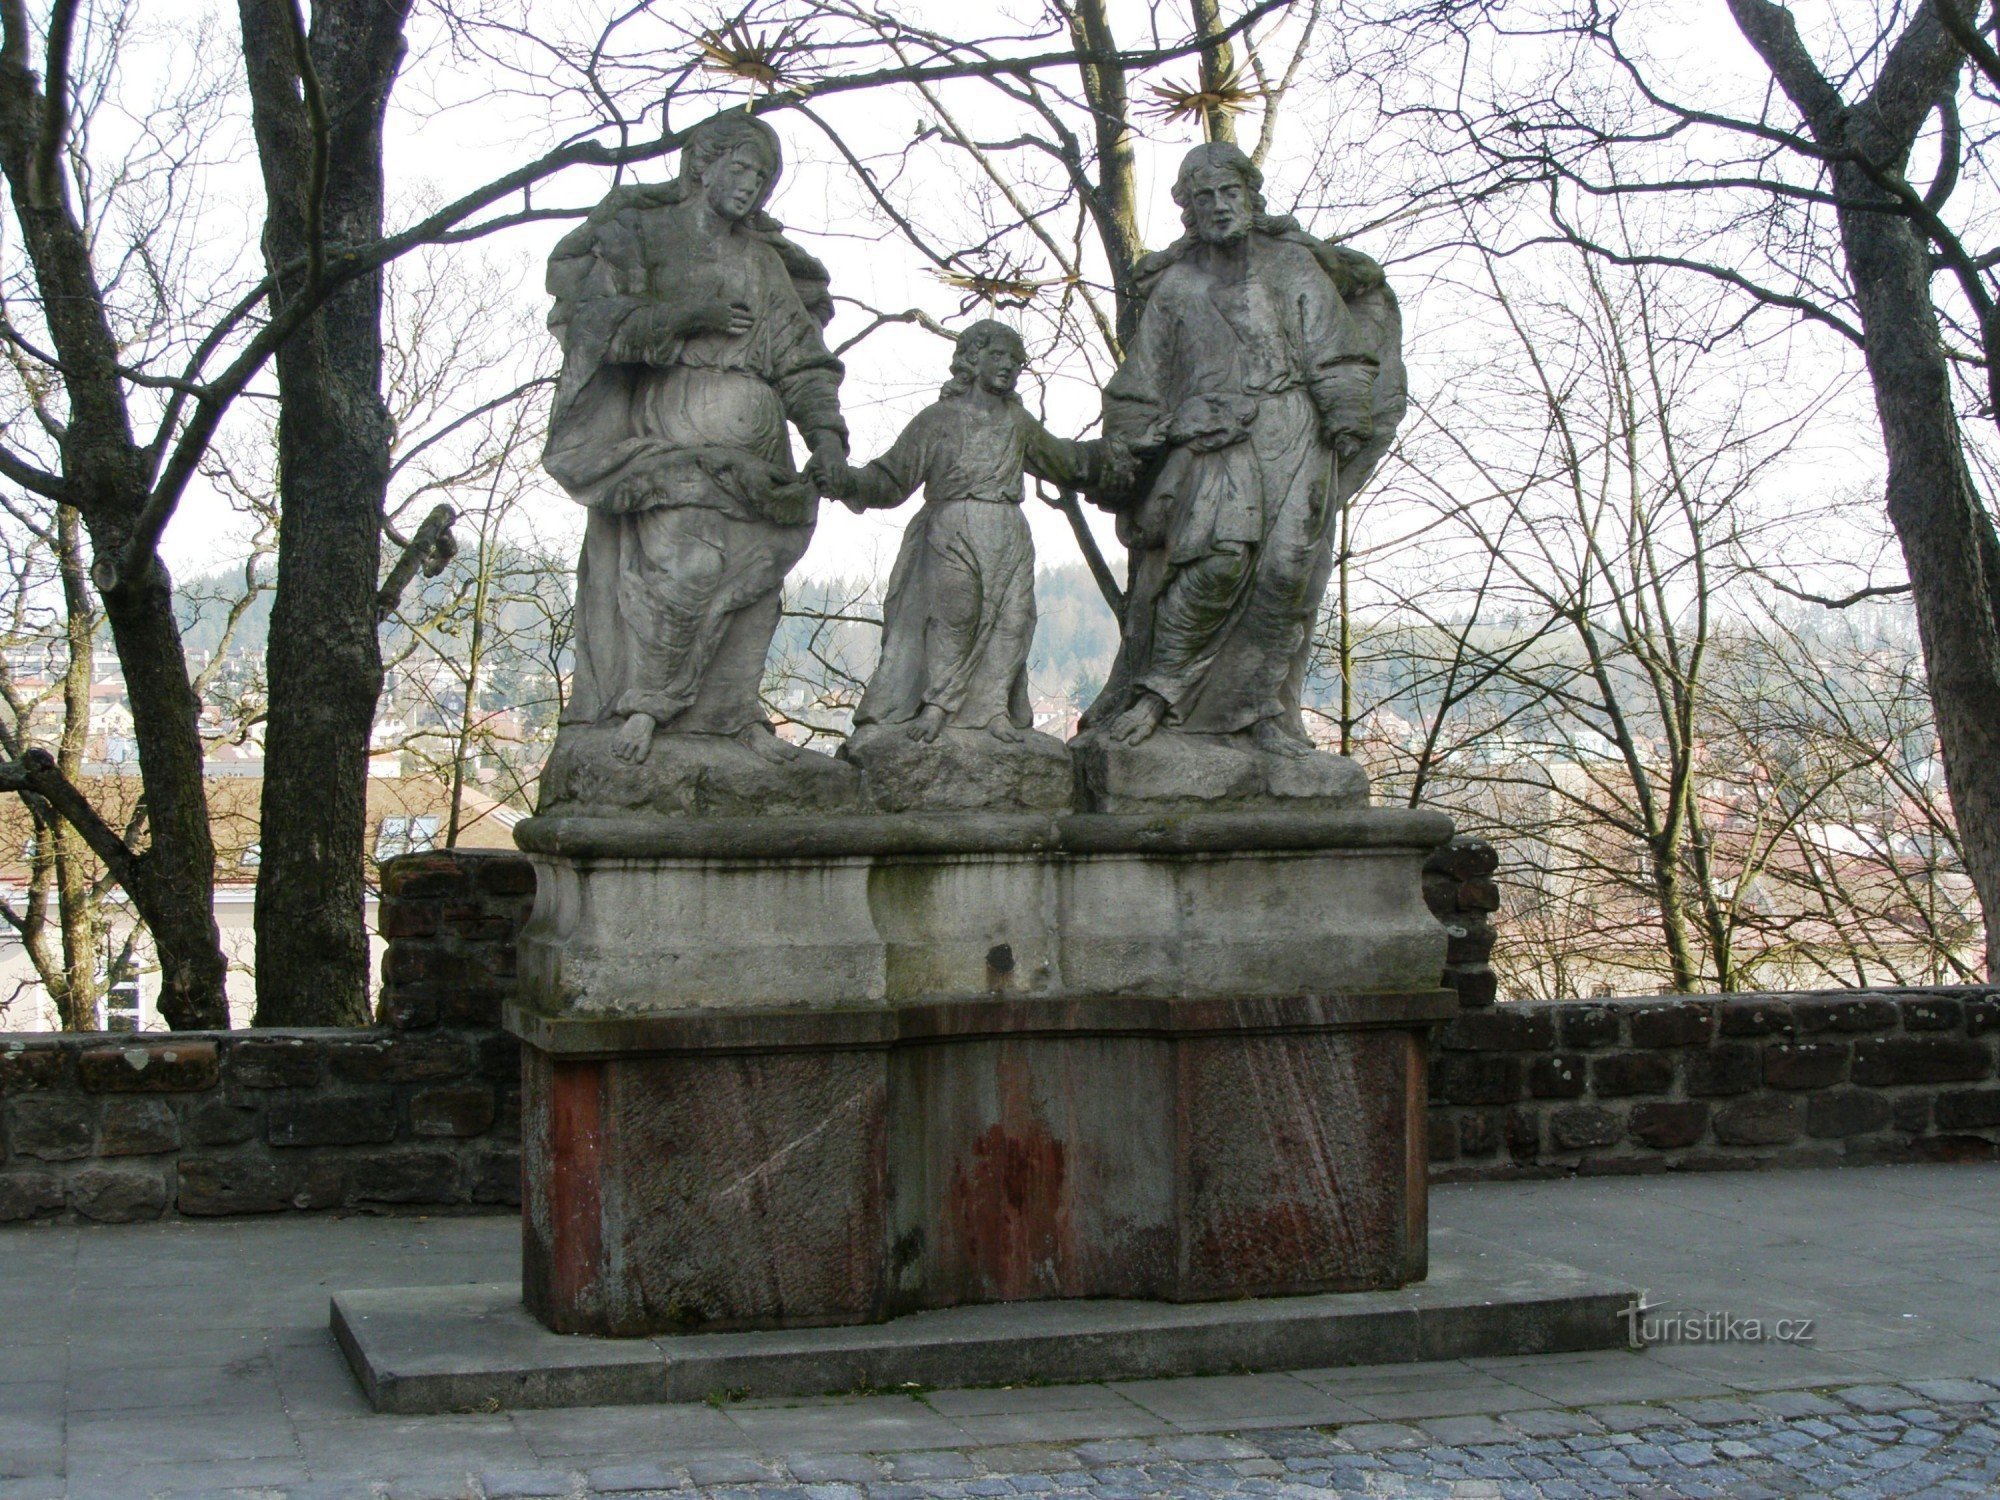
column 619, row 1479
column 1366, row 1437
column 1877, row 1398
column 508, row 1484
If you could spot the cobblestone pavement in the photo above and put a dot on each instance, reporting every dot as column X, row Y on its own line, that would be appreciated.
column 1865, row 1442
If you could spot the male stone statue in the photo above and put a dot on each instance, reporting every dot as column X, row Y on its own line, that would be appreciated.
column 690, row 329
column 1261, row 385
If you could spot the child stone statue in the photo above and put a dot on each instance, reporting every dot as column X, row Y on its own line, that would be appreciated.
column 960, row 613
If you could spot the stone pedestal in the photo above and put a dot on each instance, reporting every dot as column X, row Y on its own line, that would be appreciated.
column 819, row 1071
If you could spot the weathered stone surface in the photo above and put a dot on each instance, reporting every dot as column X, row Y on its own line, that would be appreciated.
column 1805, row 1065
column 1503, row 1029
column 1844, row 1112
column 991, row 1162
column 148, row 1067
column 330, row 1120
column 1478, row 1132
column 913, row 908
column 1682, row 1023
column 424, row 877
column 1762, row 1120
column 496, row 1177
column 51, row 1127
column 1579, row 1127
column 137, row 1127
column 118, row 1195
column 1668, row 1126
column 239, row 1184
column 1171, row 771
column 1859, row 1013
column 453, row 1110
column 1755, row 1018
column 1589, row 1026
column 1461, row 1078
column 1968, row 1109
column 28, row 1195
column 961, row 768
column 693, row 776
column 1558, row 1076
column 1921, row 1059
column 1932, row 1013
column 1727, row 1068
column 398, row 1059
column 221, row 1123
column 1625, row 1073
column 276, row 1062
column 25, row 1066
column 407, row 1176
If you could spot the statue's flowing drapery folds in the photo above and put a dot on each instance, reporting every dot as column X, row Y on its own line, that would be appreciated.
column 676, row 442
column 1234, row 392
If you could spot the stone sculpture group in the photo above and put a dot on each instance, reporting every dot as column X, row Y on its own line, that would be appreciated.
column 964, row 1013
column 1262, row 383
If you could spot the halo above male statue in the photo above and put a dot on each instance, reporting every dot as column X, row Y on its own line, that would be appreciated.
column 965, row 1015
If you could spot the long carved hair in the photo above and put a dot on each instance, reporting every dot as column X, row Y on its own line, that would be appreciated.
column 973, row 342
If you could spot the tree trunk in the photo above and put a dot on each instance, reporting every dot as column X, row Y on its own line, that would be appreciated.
column 1947, row 539
column 1218, row 66
column 104, row 475
column 1114, row 205
column 323, row 661
column 76, row 913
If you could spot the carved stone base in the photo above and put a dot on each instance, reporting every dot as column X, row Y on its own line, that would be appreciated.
column 693, row 776
column 960, row 770
column 1174, row 772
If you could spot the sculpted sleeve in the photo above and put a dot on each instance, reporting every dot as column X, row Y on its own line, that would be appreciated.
column 1340, row 374
column 806, row 374
column 1073, row 465
column 894, row 477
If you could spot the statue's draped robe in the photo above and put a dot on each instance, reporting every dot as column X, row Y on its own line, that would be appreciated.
column 959, row 618
column 677, row 445
column 1228, row 389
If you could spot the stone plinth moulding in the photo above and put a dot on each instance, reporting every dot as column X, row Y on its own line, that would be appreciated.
column 787, row 1072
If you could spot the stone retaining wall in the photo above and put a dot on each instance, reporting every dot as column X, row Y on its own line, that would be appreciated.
column 423, row 1110
column 1696, row 1082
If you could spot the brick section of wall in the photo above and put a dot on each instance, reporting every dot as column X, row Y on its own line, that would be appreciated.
column 1691, row 1083
column 450, row 918
column 1461, row 893
column 423, row 1109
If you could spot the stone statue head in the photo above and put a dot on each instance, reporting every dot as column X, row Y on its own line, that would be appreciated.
column 732, row 159
column 1220, row 193
column 988, row 354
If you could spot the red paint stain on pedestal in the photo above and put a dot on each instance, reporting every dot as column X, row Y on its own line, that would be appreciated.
column 1008, row 1211
column 576, row 1209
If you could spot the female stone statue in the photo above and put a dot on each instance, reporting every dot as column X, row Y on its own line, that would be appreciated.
column 690, row 329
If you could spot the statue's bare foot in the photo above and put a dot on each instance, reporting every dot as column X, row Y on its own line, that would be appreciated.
column 763, row 739
column 1273, row 738
column 926, row 726
column 635, row 738
column 1005, row 730
column 1140, row 720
